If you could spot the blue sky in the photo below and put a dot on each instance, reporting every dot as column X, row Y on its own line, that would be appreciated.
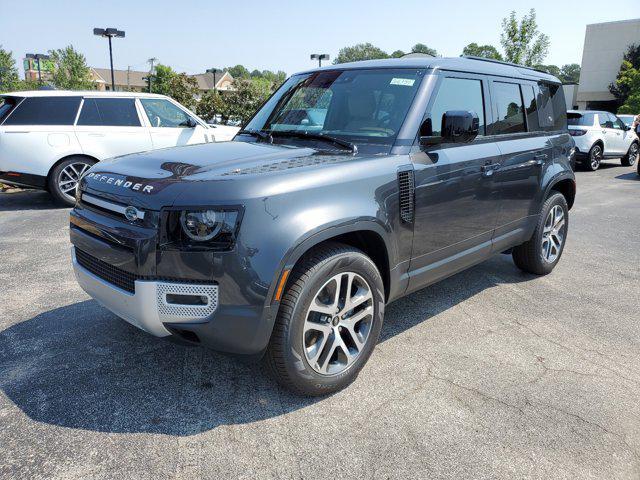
column 194, row 35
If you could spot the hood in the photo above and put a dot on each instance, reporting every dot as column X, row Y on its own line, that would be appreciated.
column 156, row 178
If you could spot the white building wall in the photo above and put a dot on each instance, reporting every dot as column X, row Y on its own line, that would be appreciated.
column 604, row 46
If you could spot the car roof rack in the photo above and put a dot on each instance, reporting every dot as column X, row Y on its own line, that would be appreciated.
column 491, row 60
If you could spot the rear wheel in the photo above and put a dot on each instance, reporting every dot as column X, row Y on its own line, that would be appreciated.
column 594, row 158
column 542, row 252
column 65, row 177
column 632, row 155
column 328, row 322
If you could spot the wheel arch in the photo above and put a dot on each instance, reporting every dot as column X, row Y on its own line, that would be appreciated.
column 66, row 157
column 566, row 186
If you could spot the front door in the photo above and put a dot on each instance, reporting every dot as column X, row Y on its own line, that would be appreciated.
column 171, row 126
column 455, row 207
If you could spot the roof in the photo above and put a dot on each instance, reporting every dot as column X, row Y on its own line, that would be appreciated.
column 135, row 78
column 462, row 64
column 206, row 80
column 79, row 93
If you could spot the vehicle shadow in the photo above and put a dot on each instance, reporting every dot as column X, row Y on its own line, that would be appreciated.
column 27, row 200
column 80, row 367
column 633, row 176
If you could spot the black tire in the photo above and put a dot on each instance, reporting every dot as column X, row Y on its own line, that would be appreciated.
column 285, row 357
column 529, row 255
column 630, row 158
column 594, row 158
column 56, row 176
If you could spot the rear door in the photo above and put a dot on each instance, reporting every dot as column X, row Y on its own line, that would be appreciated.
column 108, row 127
column 621, row 137
column 455, row 207
column 608, row 133
column 170, row 125
column 522, row 112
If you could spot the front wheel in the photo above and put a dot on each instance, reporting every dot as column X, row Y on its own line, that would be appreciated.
column 542, row 252
column 64, row 179
column 328, row 322
column 632, row 155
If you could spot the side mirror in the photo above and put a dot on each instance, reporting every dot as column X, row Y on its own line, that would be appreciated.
column 190, row 123
column 458, row 126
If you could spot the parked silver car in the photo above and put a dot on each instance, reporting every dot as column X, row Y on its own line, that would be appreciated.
column 600, row 136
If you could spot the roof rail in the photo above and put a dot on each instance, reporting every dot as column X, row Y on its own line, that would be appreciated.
column 491, row 60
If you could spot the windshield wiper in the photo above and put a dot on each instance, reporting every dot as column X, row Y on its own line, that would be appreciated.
column 262, row 135
column 316, row 136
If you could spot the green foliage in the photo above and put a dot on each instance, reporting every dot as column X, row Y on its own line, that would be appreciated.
column 422, row 48
column 239, row 71
column 484, row 51
column 179, row 86
column 238, row 104
column 359, row 52
column 397, row 54
column 570, row 73
column 71, row 71
column 522, row 42
column 9, row 79
column 550, row 69
column 211, row 104
column 626, row 85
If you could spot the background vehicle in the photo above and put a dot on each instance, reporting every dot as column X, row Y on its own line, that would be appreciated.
column 49, row 138
column 627, row 119
column 600, row 136
column 352, row 186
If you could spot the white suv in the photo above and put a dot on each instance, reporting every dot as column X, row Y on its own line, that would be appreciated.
column 601, row 135
column 49, row 138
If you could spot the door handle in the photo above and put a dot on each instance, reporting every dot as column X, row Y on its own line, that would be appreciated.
column 488, row 169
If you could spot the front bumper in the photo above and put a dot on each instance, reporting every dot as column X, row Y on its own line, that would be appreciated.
column 148, row 308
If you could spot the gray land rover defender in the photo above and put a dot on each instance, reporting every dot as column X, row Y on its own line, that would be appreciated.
column 352, row 186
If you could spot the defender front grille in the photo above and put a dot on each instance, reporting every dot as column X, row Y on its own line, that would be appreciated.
column 114, row 275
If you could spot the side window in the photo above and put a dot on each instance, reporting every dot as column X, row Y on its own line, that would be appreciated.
column 531, row 108
column 163, row 113
column 455, row 94
column 618, row 124
column 45, row 111
column 605, row 120
column 552, row 110
column 509, row 110
column 109, row 112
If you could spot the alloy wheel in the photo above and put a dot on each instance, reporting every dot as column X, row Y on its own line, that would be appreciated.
column 596, row 157
column 633, row 154
column 69, row 178
column 553, row 234
column 338, row 323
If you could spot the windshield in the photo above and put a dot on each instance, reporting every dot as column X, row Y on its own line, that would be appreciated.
column 584, row 119
column 6, row 105
column 367, row 106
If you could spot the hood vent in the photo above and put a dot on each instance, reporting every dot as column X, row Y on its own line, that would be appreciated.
column 288, row 164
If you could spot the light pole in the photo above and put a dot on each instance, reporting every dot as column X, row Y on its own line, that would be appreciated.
column 110, row 33
column 213, row 71
column 37, row 57
column 149, row 78
column 319, row 57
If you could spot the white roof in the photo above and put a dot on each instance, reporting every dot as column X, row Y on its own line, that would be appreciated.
column 78, row 93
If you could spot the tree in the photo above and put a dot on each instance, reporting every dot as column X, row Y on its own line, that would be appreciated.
column 9, row 79
column 179, row 86
column 398, row 54
column 71, row 71
column 550, row 69
column 422, row 48
column 484, row 51
column 211, row 104
column 359, row 52
column 570, row 73
column 622, row 88
column 239, row 71
column 246, row 97
column 522, row 42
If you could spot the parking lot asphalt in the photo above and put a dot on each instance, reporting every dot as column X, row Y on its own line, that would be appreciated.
column 492, row 373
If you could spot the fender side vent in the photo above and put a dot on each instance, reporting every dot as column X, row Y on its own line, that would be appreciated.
column 407, row 188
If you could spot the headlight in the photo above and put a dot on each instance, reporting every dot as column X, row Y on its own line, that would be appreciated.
column 210, row 229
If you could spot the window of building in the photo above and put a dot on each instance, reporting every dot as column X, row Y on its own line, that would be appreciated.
column 109, row 112
column 455, row 94
column 163, row 113
column 45, row 111
column 510, row 114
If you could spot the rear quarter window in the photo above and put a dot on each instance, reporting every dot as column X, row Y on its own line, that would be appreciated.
column 45, row 111
column 580, row 119
column 7, row 104
column 552, row 109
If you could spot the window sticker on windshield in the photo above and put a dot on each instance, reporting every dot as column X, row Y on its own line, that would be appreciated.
column 405, row 82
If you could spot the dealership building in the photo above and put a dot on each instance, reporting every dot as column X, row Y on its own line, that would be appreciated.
column 604, row 46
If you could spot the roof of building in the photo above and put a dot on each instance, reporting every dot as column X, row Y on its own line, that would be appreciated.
column 463, row 64
column 133, row 78
column 207, row 81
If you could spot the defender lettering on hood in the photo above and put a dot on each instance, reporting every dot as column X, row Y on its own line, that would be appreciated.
column 118, row 182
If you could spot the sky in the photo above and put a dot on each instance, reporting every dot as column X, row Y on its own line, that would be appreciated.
column 192, row 36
